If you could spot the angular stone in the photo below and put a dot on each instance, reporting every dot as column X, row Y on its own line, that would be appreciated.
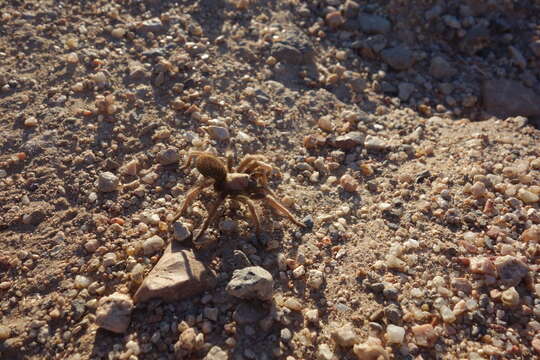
column 441, row 69
column 511, row 270
column 177, row 275
column 345, row 336
column 168, row 156
column 252, row 282
column 348, row 141
column 107, row 182
column 370, row 350
column 374, row 143
column 373, row 24
column 399, row 57
column 505, row 98
column 114, row 312
column 216, row 353
column 153, row 25
column 424, row 335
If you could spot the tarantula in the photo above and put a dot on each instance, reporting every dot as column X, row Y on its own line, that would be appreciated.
column 247, row 182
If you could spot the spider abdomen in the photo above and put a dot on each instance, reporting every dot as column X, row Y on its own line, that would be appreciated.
column 212, row 167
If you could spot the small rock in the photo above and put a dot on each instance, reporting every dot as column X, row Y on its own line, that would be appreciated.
column 168, row 156
column 506, row 98
column 373, row 143
column 482, row 265
column 511, row 270
column 510, row 297
column 180, row 231
column 114, row 312
column 216, row 353
column 349, row 141
column 252, row 282
column 334, row 19
column 462, row 284
column 177, row 275
column 424, row 335
column 5, row 332
column 315, row 279
column 373, row 24
column 325, row 353
column 441, row 69
column 109, row 259
column 399, row 57
column 293, row 304
column 527, row 196
column 107, row 182
column 531, row 234
column 405, row 90
column 345, row 336
column 152, row 245
column 348, row 183
column 395, row 334
column 312, row 315
column 151, row 25
column 218, row 133
column 299, row 272
column 31, row 121
column 536, row 342
column 370, row 350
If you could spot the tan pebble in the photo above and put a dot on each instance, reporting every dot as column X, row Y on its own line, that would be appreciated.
column 510, row 297
column 482, row 265
column 536, row 344
column 5, row 332
column 478, row 189
column 424, row 335
column 325, row 123
column 334, row 19
column 30, row 122
column 370, row 350
column 527, row 197
column 532, row 234
column 348, row 183
column 118, row 33
column 293, row 304
column 72, row 58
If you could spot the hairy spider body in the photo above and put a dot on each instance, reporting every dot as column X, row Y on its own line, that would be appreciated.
column 249, row 181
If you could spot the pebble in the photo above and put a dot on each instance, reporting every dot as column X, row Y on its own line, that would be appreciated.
column 399, row 57
column 395, row 334
column 5, row 332
column 82, row 282
column 370, row 350
column 441, row 69
column 180, row 232
column 345, row 335
column 531, row 234
column 31, row 122
column 216, row 353
column 218, row 133
column 151, row 25
column 109, row 259
column 482, row 265
column 299, row 272
column 536, row 342
column 405, row 90
column 118, row 33
column 152, row 245
column 177, row 275
column 334, row 19
column 293, row 304
column 348, row 183
column 527, row 196
column 114, row 312
column 252, row 282
column 373, row 143
column 315, row 279
column 424, row 335
column 511, row 270
column 325, row 353
column 510, row 297
column 373, row 24
column 108, row 182
column 168, row 156
column 312, row 315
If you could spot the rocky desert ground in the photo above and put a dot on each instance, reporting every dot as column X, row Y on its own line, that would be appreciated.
column 402, row 134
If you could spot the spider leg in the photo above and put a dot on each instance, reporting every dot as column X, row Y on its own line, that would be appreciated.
column 252, row 211
column 277, row 205
column 211, row 215
column 248, row 159
column 188, row 199
column 230, row 159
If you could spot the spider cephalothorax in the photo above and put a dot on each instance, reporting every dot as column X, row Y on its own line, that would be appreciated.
column 248, row 181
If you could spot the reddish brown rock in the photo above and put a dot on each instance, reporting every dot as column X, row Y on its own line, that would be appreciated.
column 177, row 275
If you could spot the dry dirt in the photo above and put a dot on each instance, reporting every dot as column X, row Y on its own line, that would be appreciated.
column 407, row 177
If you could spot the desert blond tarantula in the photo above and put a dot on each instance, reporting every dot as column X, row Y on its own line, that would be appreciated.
column 247, row 182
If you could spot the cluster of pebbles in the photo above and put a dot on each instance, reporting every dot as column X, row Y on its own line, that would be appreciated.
column 401, row 133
